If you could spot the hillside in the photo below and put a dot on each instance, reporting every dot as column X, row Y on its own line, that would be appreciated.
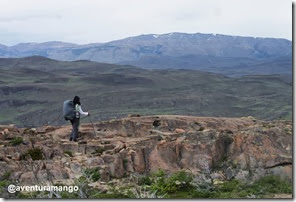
column 33, row 89
column 229, row 55
column 153, row 156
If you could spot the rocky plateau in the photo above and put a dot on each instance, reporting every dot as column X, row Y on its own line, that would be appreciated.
column 218, row 148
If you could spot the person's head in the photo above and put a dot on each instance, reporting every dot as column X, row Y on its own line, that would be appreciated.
column 76, row 100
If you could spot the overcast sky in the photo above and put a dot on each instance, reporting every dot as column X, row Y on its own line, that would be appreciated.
column 88, row 21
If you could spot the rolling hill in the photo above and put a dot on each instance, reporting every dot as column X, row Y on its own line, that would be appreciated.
column 33, row 89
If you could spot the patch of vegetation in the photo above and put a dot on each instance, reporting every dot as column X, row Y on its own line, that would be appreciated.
column 163, row 184
column 3, row 188
column 29, row 195
column 99, row 150
column 16, row 141
column 271, row 185
column 236, row 189
column 114, row 195
column 125, row 163
column 177, row 185
column 180, row 185
column 68, row 195
column 145, row 180
column 5, row 176
column 69, row 153
column 92, row 173
column 4, row 183
column 35, row 154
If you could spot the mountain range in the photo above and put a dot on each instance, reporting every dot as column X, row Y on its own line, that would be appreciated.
column 228, row 55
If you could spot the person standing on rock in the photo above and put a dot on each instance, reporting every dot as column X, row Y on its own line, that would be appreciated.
column 76, row 120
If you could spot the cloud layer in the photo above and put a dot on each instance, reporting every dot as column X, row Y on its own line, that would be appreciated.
column 87, row 21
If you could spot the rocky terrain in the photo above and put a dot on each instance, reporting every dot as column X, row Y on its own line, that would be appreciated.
column 214, row 150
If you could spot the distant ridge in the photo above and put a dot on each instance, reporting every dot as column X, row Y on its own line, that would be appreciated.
column 230, row 55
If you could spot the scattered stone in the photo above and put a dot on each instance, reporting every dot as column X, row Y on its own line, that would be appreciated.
column 179, row 130
column 2, row 135
column 229, row 173
column 6, row 131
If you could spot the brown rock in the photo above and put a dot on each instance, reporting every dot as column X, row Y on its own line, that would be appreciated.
column 138, row 160
column 28, row 178
column 119, row 146
column 179, row 130
column 104, row 174
column 95, row 161
column 116, row 168
column 2, row 135
column 6, row 131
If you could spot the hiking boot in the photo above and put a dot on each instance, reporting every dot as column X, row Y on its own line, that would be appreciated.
column 70, row 139
column 75, row 140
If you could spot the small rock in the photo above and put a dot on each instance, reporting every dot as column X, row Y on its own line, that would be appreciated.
column 217, row 176
column 119, row 146
column 16, row 156
column 6, row 131
column 179, row 130
column 76, row 168
column 242, row 175
column 2, row 135
column 216, row 181
column 108, row 147
column 162, row 142
column 95, row 161
column 28, row 178
column 229, row 173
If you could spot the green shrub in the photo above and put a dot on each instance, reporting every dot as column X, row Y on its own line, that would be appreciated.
column 16, row 141
column 35, row 154
column 145, row 180
column 178, row 181
column 4, row 183
column 5, row 176
column 236, row 189
column 92, row 173
column 178, row 185
column 229, row 186
column 270, row 184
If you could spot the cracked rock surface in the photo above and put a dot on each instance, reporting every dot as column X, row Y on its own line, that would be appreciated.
column 221, row 148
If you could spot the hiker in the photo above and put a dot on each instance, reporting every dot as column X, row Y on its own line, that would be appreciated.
column 75, row 121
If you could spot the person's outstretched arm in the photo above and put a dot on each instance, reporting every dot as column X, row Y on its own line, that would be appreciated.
column 82, row 112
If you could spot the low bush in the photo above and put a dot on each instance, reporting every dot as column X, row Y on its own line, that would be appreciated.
column 92, row 173
column 16, row 141
column 35, row 154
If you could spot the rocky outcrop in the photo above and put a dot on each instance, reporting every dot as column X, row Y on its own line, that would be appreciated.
column 221, row 148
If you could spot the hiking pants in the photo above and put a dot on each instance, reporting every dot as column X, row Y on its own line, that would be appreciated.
column 75, row 125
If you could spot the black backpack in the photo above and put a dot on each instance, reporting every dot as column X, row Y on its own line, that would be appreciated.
column 69, row 110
